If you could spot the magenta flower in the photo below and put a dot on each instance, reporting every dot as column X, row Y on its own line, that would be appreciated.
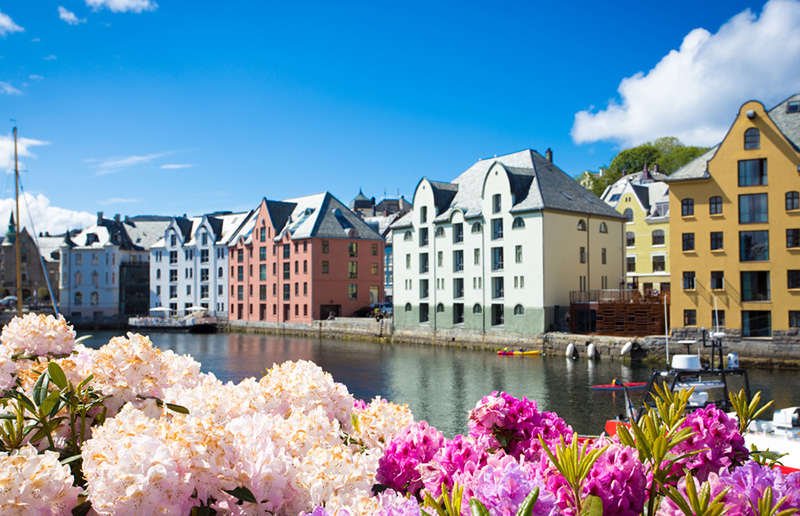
column 456, row 461
column 749, row 482
column 717, row 435
column 416, row 444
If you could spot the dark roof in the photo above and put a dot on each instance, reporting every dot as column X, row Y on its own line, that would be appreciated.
column 279, row 212
column 643, row 193
column 443, row 194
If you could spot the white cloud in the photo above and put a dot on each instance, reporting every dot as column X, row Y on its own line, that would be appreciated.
column 46, row 218
column 123, row 6
column 118, row 200
column 113, row 165
column 172, row 166
column 7, row 25
column 23, row 150
column 51, row 57
column 35, row 77
column 8, row 89
column 69, row 16
column 693, row 93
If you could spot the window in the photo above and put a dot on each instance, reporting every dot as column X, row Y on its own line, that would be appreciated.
column 630, row 239
column 792, row 238
column 325, row 244
column 752, row 139
column 408, row 307
column 498, row 315
column 305, row 288
column 407, row 236
column 286, row 271
column 628, row 214
column 78, row 299
column 352, row 291
column 718, row 318
column 262, row 253
column 458, row 232
column 497, row 229
column 498, row 288
column 755, row 286
column 458, row 260
column 423, row 215
column 659, row 263
column 717, row 280
column 753, row 246
column 688, row 280
column 690, row 317
column 476, row 308
column 518, row 254
column 793, row 106
column 263, row 234
column 374, row 269
column 424, row 291
column 688, row 241
column 497, row 258
column 458, row 288
column 352, row 249
column 173, row 240
column 203, row 274
column 496, row 203
column 286, row 292
column 792, row 201
column 352, row 270
column 204, row 256
column 374, row 249
column 476, row 228
column 518, row 223
column 158, row 273
column 582, row 224
column 687, row 207
column 715, row 205
column 423, row 237
column 519, row 310
column 173, row 275
column 173, row 257
column 716, row 240
column 158, row 290
column 793, row 279
column 753, row 172
column 583, row 255
column 658, row 237
column 423, row 263
column 423, row 313
column 753, row 208
column 440, row 308
column 305, row 266
column 220, row 272
column 188, row 290
column 287, row 251
column 630, row 264
column 78, row 258
column 662, row 210
column 458, row 313
column 603, row 227
column 756, row 323
column 439, row 232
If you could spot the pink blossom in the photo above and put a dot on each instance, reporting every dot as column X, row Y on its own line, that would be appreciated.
column 717, row 435
column 415, row 444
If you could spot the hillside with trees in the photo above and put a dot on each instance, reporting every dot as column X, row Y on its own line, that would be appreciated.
column 668, row 153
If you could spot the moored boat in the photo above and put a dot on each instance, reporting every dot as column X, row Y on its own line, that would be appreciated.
column 195, row 321
column 519, row 352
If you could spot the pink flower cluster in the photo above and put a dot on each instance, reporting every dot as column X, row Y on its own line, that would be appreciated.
column 717, row 436
column 618, row 478
column 503, row 421
column 413, row 446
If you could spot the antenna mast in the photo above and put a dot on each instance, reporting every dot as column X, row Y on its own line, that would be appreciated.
column 17, row 239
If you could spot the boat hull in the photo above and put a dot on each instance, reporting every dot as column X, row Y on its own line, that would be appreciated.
column 612, row 387
column 523, row 353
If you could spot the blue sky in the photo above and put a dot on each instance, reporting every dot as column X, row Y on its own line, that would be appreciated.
column 133, row 107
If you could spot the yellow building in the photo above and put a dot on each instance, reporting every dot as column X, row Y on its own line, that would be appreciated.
column 643, row 198
column 735, row 229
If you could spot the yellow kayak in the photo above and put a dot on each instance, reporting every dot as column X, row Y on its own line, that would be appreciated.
column 520, row 352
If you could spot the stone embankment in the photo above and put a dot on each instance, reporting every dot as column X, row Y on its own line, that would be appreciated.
column 779, row 351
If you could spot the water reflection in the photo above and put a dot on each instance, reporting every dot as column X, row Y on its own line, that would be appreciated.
column 440, row 384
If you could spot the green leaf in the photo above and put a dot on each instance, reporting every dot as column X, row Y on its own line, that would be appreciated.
column 593, row 506
column 526, row 509
column 40, row 389
column 70, row 460
column 57, row 375
column 478, row 509
column 202, row 511
column 50, row 405
column 242, row 493
column 177, row 408
column 82, row 338
column 82, row 509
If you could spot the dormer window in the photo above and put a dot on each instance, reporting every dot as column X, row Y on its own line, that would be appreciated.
column 173, row 240
column 496, row 203
column 423, row 215
column 793, row 106
column 752, row 139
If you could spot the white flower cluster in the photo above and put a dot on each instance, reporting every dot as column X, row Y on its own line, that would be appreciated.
column 39, row 335
column 8, row 368
column 33, row 483
column 380, row 422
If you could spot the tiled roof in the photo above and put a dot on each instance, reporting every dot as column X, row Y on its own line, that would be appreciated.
column 323, row 215
column 695, row 169
column 788, row 123
column 144, row 232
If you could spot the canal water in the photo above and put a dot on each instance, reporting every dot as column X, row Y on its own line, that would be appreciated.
column 440, row 384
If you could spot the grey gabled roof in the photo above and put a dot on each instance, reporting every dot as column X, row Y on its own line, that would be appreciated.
column 695, row 169
column 279, row 212
column 788, row 123
column 643, row 193
column 323, row 215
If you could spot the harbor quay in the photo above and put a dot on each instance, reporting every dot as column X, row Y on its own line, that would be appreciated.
column 783, row 352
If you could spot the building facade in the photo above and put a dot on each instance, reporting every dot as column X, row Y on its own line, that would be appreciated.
column 104, row 268
column 189, row 264
column 39, row 265
column 643, row 199
column 501, row 247
column 736, row 228
column 304, row 259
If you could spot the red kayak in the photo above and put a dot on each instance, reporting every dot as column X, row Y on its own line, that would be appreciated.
column 619, row 387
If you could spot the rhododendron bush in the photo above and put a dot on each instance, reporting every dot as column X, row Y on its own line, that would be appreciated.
column 128, row 429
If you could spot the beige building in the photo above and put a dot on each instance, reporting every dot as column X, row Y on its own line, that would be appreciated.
column 735, row 229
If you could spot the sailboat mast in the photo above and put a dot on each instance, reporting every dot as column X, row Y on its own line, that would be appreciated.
column 17, row 239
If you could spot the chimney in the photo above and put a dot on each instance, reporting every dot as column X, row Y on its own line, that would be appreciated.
column 127, row 219
column 656, row 168
column 116, row 217
column 548, row 154
column 99, row 217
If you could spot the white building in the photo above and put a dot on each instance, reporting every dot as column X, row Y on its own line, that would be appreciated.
column 502, row 246
column 189, row 264
column 104, row 268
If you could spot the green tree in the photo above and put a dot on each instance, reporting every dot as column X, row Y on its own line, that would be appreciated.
column 674, row 154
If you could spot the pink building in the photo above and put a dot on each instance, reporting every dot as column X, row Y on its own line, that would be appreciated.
column 299, row 260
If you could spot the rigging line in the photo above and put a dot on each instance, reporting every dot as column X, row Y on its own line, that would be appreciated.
column 39, row 248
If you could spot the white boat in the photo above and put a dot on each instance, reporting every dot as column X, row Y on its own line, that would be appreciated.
column 196, row 320
column 781, row 435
